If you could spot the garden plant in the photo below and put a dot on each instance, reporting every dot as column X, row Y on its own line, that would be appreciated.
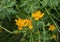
column 29, row 20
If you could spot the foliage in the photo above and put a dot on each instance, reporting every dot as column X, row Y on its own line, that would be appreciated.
column 11, row 10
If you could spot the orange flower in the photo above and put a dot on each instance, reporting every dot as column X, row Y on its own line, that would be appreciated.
column 37, row 15
column 20, row 28
column 52, row 27
column 23, row 23
column 20, row 23
column 29, row 23
column 30, row 27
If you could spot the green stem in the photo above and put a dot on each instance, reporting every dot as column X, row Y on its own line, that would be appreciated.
column 7, row 30
column 37, row 25
column 23, row 36
column 43, row 31
column 39, row 31
column 31, row 38
column 39, row 39
column 56, row 10
column 55, row 18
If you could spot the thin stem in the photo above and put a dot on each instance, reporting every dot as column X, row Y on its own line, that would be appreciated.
column 6, row 30
column 32, row 37
column 39, row 38
column 56, row 18
column 37, row 25
column 56, row 9
column 23, row 36
column 43, row 31
column 39, row 31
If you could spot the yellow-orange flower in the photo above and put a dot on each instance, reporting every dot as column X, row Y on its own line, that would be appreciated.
column 37, row 15
column 29, row 23
column 20, row 28
column 20, row 23
column 52, row 27
column 23, row 23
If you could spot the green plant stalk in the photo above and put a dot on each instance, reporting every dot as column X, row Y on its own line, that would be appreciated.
column 37, row 25
column 39, row 33
column 23, row 36
column 43, row 31
column 52, row 21
column 37, row 28
column 56, row 10
column 55, row 18
column 7, row 30
column 31, row 38
column 39, row 39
